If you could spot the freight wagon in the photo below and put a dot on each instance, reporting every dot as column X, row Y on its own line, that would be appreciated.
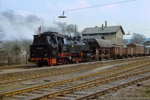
column 138, row 49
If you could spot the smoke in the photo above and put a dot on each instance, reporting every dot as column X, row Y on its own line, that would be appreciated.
column 63, row 28
column 16, row 26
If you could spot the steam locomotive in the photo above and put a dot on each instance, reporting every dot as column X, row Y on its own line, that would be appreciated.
column 51, row 48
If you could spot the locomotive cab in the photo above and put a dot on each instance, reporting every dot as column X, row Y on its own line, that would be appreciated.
column 44, row 49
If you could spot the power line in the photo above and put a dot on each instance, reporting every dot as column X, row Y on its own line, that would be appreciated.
column 140, row 30
column 126, row 1
column 82, row 8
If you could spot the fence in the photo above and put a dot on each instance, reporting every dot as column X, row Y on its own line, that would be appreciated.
column 13, row 60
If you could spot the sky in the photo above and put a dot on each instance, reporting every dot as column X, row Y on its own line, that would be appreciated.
column 21, row 18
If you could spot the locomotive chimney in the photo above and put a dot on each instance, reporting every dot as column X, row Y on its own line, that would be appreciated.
column 105, row 23
column 39, row 31
column 102, row 27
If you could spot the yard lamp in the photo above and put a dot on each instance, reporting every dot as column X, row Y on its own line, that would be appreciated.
column 62, row 16
column 128, row 33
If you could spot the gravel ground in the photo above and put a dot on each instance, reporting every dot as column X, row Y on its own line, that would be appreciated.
column 19, row 85
column 140, row 91
column 25, row 84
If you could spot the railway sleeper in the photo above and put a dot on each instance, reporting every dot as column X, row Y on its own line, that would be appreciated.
column 102, row 92
column 85, row 87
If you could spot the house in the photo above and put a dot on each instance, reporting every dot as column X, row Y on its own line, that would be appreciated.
column 147, row 43
column 113, row 33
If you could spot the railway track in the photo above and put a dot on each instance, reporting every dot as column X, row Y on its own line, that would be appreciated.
column 5, row 68
column 110, row 87
column 53, row 90
column 79, row 89
column 58, row 72
column 17, row 66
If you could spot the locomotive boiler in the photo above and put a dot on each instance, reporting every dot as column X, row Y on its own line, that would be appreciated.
column 51, row 48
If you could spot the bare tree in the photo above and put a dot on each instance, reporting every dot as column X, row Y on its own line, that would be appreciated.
column 7, row 46
column 16, row 50
column 1, row 37
column 12, row 47
column 137, row 38
column 1, row 34
column 125, row 42
column 25, row 45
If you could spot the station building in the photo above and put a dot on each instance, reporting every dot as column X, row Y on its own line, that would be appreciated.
column 113, row 33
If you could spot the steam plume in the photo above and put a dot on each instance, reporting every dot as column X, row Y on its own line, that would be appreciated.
column 63, row 28
column 17, row 25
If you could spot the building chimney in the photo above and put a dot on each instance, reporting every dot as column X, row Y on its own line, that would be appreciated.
column 102, row 27
column 105, row 23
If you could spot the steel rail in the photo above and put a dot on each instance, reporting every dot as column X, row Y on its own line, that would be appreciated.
column 99, row 93
column 18, row 66
column 88, row 85
column 110, row 76
column 61, row 82
column 25, row 78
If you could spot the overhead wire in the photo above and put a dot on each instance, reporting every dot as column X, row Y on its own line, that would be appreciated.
column 142, row 30
column 82, row 8
column 100, row 5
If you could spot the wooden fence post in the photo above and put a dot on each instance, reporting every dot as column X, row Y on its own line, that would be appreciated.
column 9, row 61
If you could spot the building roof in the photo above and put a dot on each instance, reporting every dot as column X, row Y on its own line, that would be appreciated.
column 100, row 42
column 104, row 43
column 147, row 43
column 97, row 37
column 105, row 30
column 134, row 45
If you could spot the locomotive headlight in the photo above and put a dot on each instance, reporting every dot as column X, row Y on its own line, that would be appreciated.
column 88, row 54
column 45, row 54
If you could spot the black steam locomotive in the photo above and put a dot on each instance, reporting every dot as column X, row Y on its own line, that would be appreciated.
column 51, row 48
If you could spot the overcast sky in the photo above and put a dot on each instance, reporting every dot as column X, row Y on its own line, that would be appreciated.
column 133, row 16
